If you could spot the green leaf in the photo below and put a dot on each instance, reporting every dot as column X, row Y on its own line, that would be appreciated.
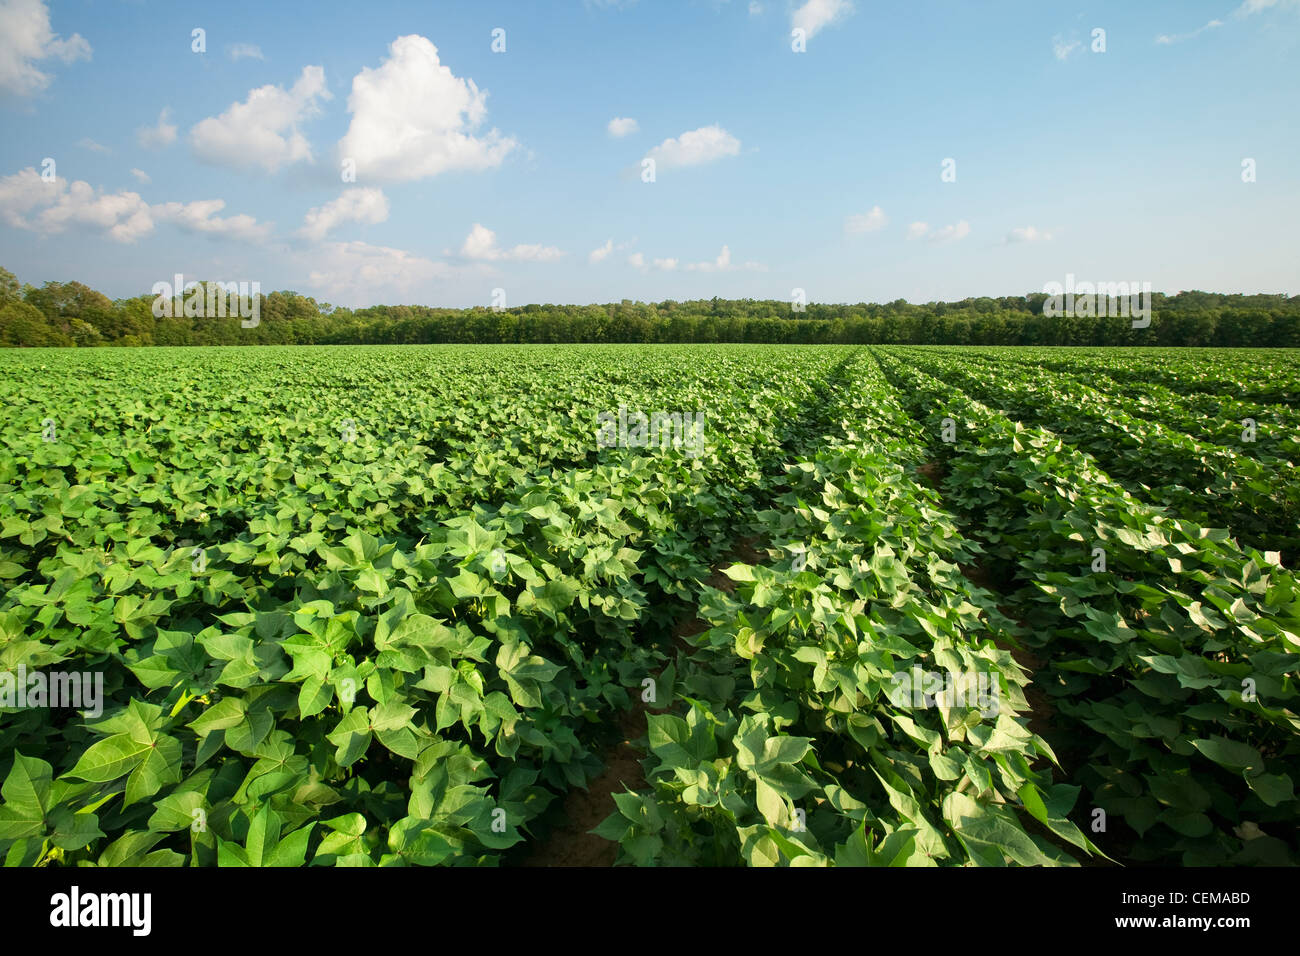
column 25, row 792
column 1229, row 753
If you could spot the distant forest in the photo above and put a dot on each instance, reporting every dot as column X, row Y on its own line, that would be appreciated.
column 72, row 314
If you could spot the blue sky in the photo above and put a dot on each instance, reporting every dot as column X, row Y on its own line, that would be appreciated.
column 775, row 169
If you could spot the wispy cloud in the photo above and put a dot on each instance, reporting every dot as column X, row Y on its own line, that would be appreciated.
column 866, row 222
column 1166, row 38
column 245, row 51
column 953, row 233
column 1028, row 234
column 1062, row 48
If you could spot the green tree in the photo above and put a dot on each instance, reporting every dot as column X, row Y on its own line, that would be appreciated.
column 25, row 325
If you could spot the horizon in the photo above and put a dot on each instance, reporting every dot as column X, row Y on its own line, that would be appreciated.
column 657, row 302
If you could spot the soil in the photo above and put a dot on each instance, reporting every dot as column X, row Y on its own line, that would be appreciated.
column 933, row 472
column 570, row 844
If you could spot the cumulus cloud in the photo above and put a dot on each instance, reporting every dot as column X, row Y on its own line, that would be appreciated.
column 636, row 260
column 481, row 243
column 412, row 118
column 917, row 230
column 665, row 265
column 866, row 222
column 29, row 202
column 1028, row 234
column 160, row 134
column 817, row 14
column 368, row 205
column 26, row 39
column 622, row 126
column 262, row 131
column 245, row 51
column 703, row 145
column 200, row 217
column 141, row 175
column 364, row 273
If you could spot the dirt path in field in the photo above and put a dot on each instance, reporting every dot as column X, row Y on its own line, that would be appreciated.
column 571, row 843
column 1041, row 710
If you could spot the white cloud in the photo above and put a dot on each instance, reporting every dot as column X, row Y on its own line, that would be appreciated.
column 162, row 133
column 601, row 253
column 816, row 14
column 123, row 216
column 697, row 146
column 622, row 126
column 866, row 222
column 245, row 51
column 1062, row 49
column 1028, row 234
column 141, row 175
column 27, row 38
column 481, row 243
column 1246, row 9
column 200, row 217
column 364, row 273
column 755, row 8
column 87, row 143
column 263, row 130
column 1254, row 6
column 953, row 233
column 665, row 265
column 368, row 205
column 29, row 202
column 24, row 191
column 1179, row 37
column 723, row 264
column 411, row 118
column 636, row 260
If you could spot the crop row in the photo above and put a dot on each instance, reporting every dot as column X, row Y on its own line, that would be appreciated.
column 1254, row 496
column 1169, row 651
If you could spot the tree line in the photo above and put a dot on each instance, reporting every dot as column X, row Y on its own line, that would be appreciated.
column 73, row 314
